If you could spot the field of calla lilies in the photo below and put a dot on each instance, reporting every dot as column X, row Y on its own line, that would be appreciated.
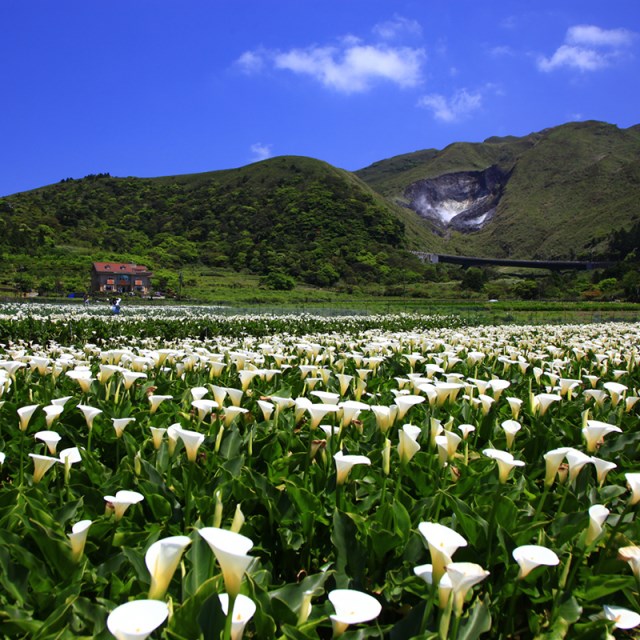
column 183, row 474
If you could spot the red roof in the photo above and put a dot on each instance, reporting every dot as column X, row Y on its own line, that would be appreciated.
column 127, row 268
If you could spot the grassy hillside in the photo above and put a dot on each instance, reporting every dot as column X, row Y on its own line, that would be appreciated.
column 568, row 194
column 571, row 192
column 291, row 216
column 391, row 177
column 570, row 188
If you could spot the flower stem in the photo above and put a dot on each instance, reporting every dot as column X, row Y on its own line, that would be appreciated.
column 541, row 502
column 187, row 494
column 492, row 524
column 21, row 475
column 512, row 608
column 445, row 620
column 612, row 534
column 228, row 622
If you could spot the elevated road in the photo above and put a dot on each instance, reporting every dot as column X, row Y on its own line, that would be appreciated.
column 471, row 261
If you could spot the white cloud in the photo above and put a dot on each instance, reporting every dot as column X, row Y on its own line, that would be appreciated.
column 355, row 68
column 260, row 151
column 574, row 57
column 349, row 64
column 250, row 62
column 501, row 51
column 588, row 48
column 595, row 36
column 398, row 27
column 460, row 105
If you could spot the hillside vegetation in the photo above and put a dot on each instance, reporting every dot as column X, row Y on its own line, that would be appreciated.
column 570, row 192
column 570, row 188
column 288, row 216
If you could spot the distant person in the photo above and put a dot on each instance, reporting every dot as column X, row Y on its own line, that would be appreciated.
column 86, row 298
column 115, row 305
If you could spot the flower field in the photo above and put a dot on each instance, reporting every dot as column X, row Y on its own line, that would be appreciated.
column 364, row 477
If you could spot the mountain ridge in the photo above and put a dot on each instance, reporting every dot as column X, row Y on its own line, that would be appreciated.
column 566, row 192
column 568, row 188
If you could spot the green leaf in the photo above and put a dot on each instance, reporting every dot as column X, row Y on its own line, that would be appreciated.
column 292, row 594
column 201, row 559
column 382, row 541
column 154, row 477
column 211, row 618
column 136, row 559
column 56, row 620
column 308, row 506
column 263, row 620
column 57, row 552
column 477, row 622
column 68, row 511
column 160, row 507
column 506, row 513
column 231, row 443
column 184, row 622
column 15, row 621
column 596, row 587
column 558, row 630
column 471, row 523
column 348, row 552
column 569, row 609
column 14, row 576
column 567, row 527
column 402, row 520
column 234, row 466
column 93, row 614
column 410, row 625
column 306, row 632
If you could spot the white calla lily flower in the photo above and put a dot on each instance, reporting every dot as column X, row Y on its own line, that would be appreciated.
column 352, row 607
column 122, row 501
column 137, row 619
column 162, row 559
column 230, row 549
column 443, row 542
column 243, row 610
column 530, row 556
column 344, row 464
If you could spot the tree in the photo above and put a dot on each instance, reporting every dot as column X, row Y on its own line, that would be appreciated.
column 23, row 283
column 324, row 276
column 608, row 286
column 631, row 284
column 526, row 289
column 278, row 281
column 473, row 279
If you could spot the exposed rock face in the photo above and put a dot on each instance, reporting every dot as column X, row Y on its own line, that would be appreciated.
column 465, row 201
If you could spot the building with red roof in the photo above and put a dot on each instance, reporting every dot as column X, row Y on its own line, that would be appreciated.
column 120, row 277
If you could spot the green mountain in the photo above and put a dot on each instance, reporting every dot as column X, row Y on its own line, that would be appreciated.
column 557, row 194
column 570, row 192
column 290, row 215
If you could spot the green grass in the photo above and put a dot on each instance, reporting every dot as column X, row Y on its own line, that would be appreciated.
column 569, row 188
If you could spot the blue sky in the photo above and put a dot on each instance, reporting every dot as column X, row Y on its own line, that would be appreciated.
column 164, row 87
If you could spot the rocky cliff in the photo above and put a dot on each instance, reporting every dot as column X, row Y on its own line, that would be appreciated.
column 464, row 200
column 559, row 193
